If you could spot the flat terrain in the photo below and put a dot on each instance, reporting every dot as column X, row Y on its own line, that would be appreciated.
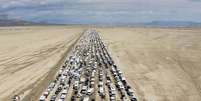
column 27, row 54
column 161, row 64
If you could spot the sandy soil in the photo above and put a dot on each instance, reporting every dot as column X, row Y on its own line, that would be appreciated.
column 27, row 54
column 161, row 64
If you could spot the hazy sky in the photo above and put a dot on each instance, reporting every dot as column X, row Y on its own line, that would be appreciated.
column 102, row 11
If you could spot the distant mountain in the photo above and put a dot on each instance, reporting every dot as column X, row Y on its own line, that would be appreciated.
column 5, row 21
column 14, row 22
column 173, row 24
column 154, row 24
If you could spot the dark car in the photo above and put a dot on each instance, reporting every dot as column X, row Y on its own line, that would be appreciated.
column 73, row 98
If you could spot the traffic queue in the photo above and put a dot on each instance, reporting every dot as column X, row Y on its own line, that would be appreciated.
column 89, row 72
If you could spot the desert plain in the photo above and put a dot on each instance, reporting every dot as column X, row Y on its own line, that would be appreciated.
column 161, row 64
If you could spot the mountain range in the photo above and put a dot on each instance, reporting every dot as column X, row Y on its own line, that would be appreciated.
column 15, row 22
column 19, row 22
column 173, row 24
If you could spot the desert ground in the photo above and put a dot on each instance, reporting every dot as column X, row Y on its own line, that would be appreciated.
column 28, row 54
column 161, row 64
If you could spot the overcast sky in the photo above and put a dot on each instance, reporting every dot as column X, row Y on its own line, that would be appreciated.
column 102, row 11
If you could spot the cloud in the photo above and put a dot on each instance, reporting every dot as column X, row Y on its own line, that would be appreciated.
column 195, row 0
column 101, row 11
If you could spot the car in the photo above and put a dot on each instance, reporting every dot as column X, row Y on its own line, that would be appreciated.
column 121, row 86
column 42, row 98
column 93, row 74
column 123, row 94
column 79, row 95
column 130, row 92
column 112, row 88
column 92, row 79
column 82, row 80
column 108, row 81
column 46, row 93
column 86, row 98
column 112, row 98
column 133, row 97
column 52, row 85
column 112, row 93
column 58, row 90
column 84, row 90
column 63, row 96
column 90, row 91
column 101, row 92
column 61, row 100
column 76, row 85
column 92, row 82
column 100, row 84
column 64, row 91
column 53, row 98
column 66, row 86
column 73, row 98
column 16, row 98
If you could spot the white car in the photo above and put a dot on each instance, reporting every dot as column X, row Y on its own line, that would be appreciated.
column 130, row 91
column 42, row 98
column 92, row 83
column 64, row 91
column 92, row 79
column 86, row 99
column 63, row 96
column 90, row 91
column 75, row 86
column 61, row 100
column 112, row 98
column 101, row 90
column 100, row 84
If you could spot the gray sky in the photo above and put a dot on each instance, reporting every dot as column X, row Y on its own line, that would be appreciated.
column 102, row 11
